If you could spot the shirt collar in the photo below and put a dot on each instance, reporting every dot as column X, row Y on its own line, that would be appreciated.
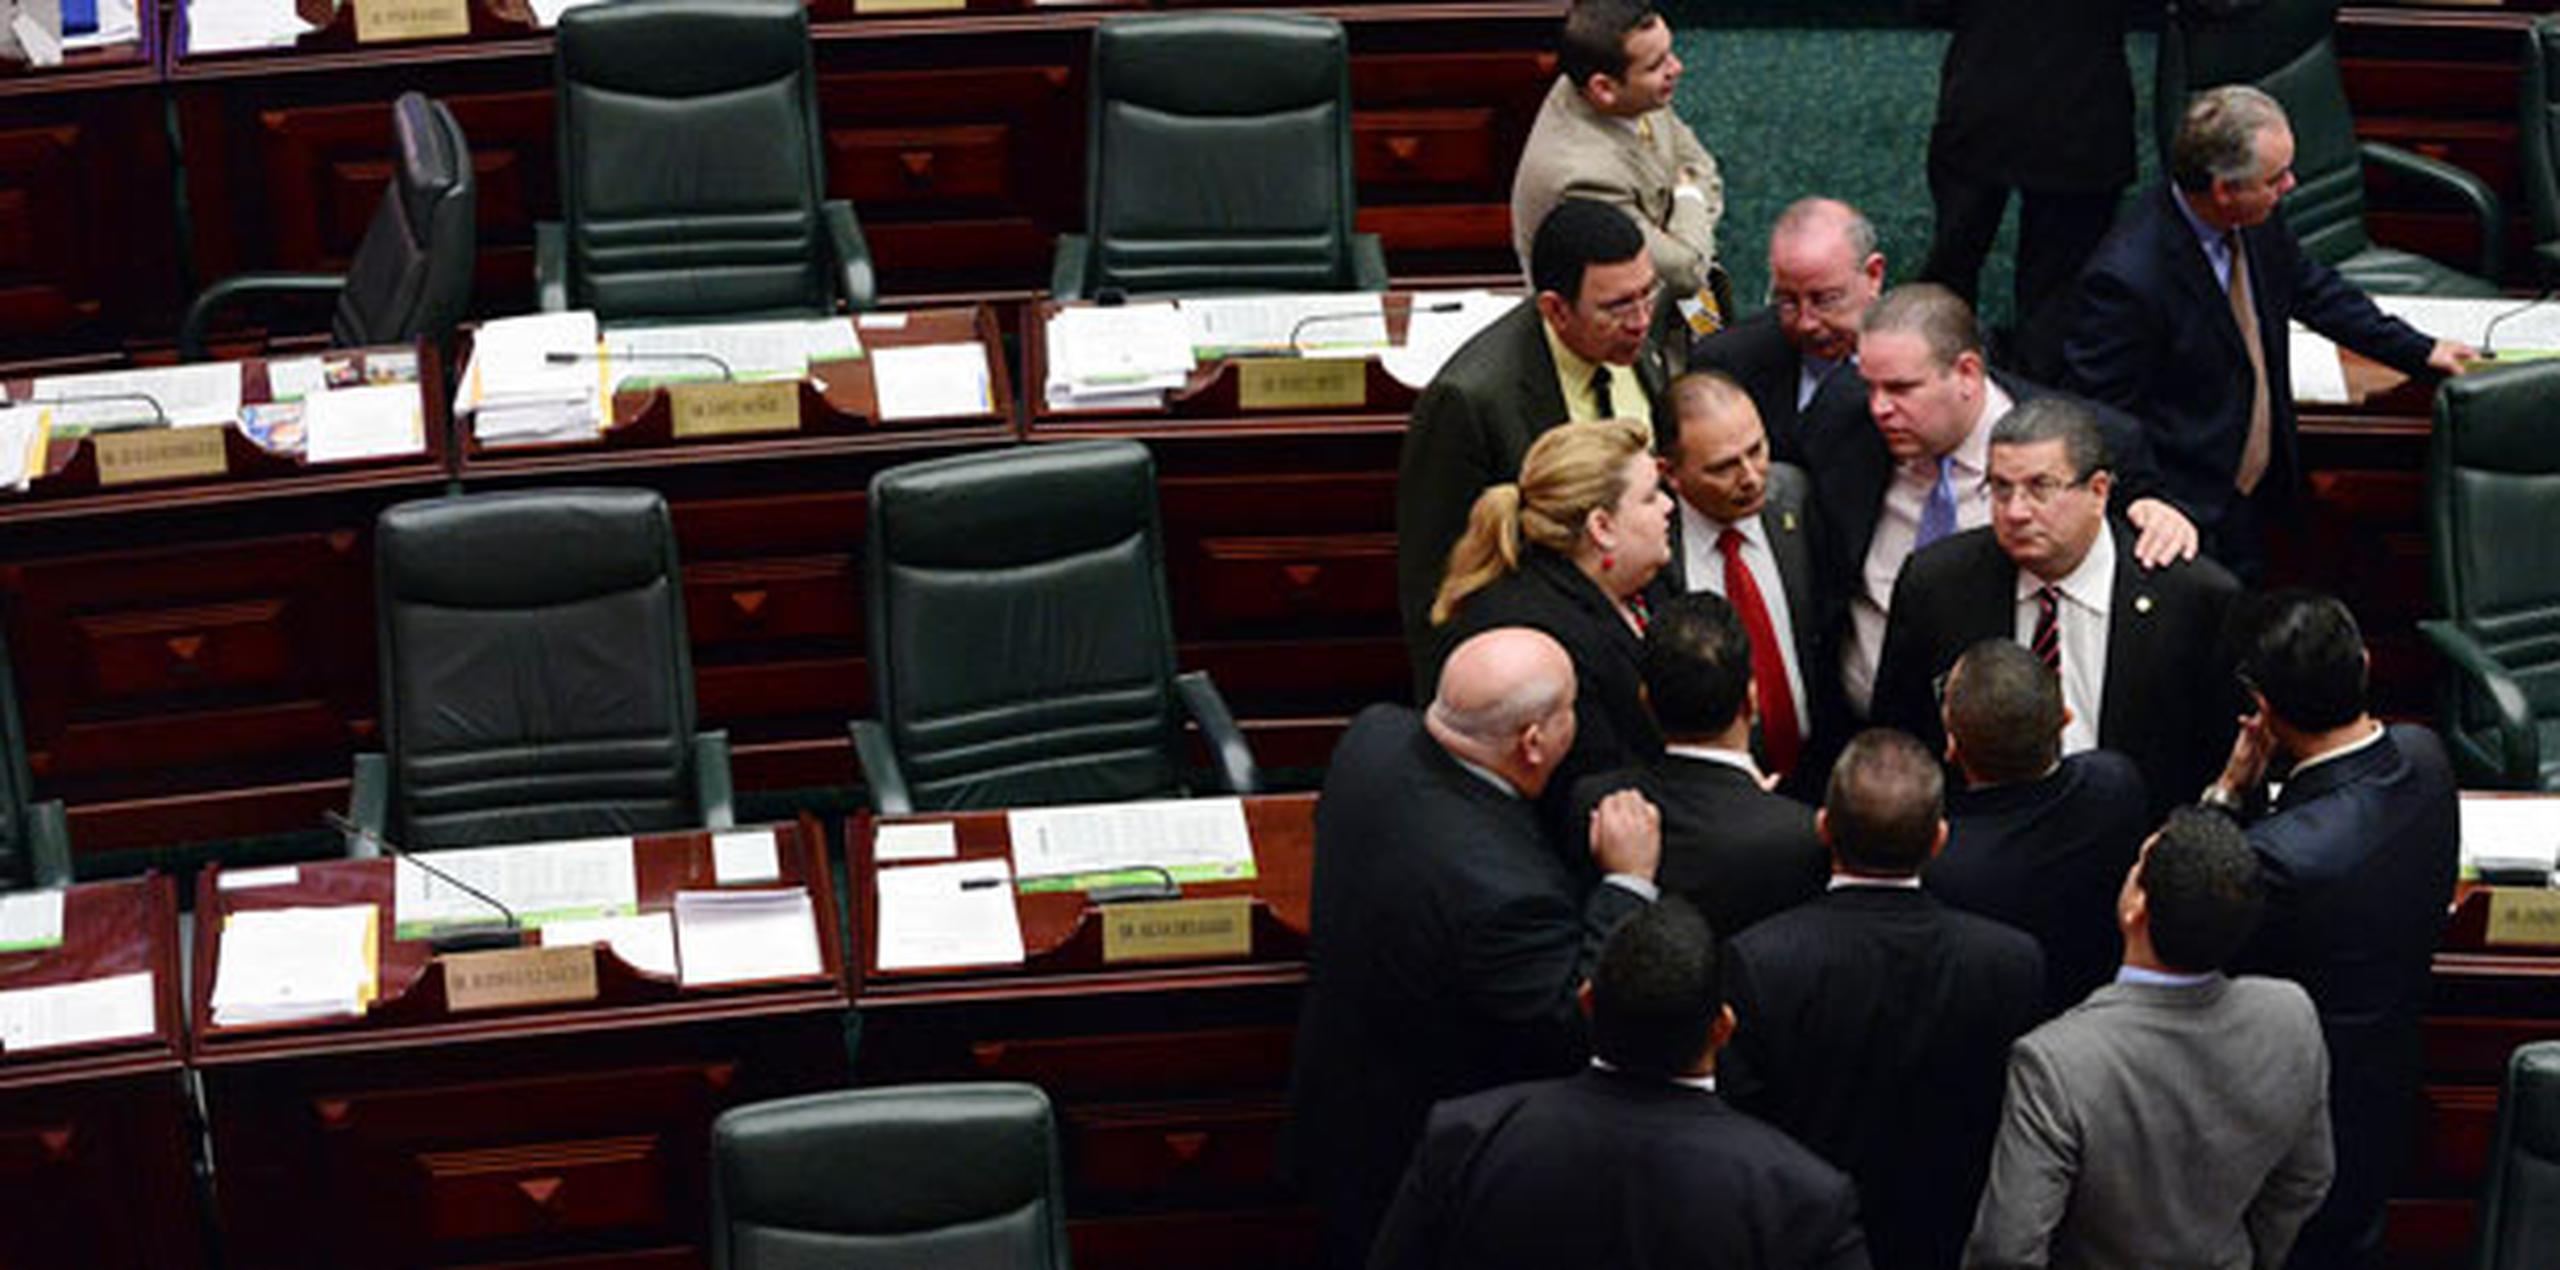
column 1716, row 754
column 1487, row 775
column 2370, row 740
column 2163, row 978
column 2207, row 234
column 1706, row 1082
column 1845, row 881
column 1571, row 367
column 1973, row 454
column 1706, row 529
column 2091, row 584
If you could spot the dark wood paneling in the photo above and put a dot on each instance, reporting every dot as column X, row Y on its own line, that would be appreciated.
column 87, row 230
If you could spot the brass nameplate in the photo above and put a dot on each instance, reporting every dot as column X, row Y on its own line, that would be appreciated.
column 1170, row 929
column 1288, row 383
column 720, row 409
column 519, row 976
column 158, row 454
column 908, row 6
column 381, row 20
column 2522, row 915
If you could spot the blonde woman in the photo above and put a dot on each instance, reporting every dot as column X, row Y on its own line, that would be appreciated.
column 1567, row 549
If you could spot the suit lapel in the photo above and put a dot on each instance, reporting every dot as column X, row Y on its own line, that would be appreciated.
column 2134, row 614
column 2195, row 273
column 1783, row 520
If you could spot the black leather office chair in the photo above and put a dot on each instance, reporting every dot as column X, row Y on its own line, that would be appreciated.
column 2539, row 107
column 535, row 677
column 2493, row 564
column 1218, row 158
column 2287, row 48
column 410, row 278
column 1020, row 645
column 955, row 1177
column 35, row 837
column 2520, row 1204
column 692, row 183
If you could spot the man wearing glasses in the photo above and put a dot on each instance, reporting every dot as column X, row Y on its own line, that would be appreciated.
column 2134, row 647
column 1824, row 270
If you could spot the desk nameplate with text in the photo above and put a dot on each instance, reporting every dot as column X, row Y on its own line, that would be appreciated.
column 1169, row 930
column 159, row 454
column 382, row 21
column 519, row 976
column 1296, row 383
column 723, row 409
column 2522, row 916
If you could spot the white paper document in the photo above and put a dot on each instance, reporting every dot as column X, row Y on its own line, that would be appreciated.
column 748, row 855
column 108, row 1009
column 21, row 446
column 1128, row 353
column 1195, row 840
column 541, row 882
column 646, row 940
column 296, row 378
column 2519, row 325
column 373, row 422
column 199, row 396
column 223, row 26
column 1439, row 322
column 931, row 381
column 680, row 354
column 1334, row 323
column 254, row 879
column 937, row 916
column 515, row 391
column 2318, row 376
column 932, row 840
column 746, row 936
column 2511, row 828
column 281, row 964
column 30, row 919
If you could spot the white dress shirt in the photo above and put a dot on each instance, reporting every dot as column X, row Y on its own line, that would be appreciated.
column 2080, row 622
column 1898, row 527
column 1810, row 372
column 1702, row 568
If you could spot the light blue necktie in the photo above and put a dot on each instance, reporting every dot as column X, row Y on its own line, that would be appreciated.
column 1938, row 518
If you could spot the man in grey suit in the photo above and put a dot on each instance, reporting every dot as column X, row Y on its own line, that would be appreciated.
column 2178, row 1117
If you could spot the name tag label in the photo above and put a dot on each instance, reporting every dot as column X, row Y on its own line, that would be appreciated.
column 1289, row 383
column 159, row 454
column 378, row 21
column 1168, row 930
column 519, row 976
column 908, row 6
column 708, row 410
column 2523, row 916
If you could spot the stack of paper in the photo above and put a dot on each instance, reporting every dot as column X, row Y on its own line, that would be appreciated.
column 30, row 920
column 730, row 350
column 116, row 25
column 646, row 942
column 284, row 964
column 1117, row 357
column 372, row 422
column 22, row 445
column 536, row 379
column 746, row 936
column 1189, row 840
column 937, row 916
column 222, row 26
column 203, row 395
column 539, row 883
column 931, row 381
column 2514, row 830
column 1285, row 325
column 1439, row 323
column 80, row 1013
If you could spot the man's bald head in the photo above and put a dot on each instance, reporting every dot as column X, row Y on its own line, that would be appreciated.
column 1506, row 702
column 1824, row 270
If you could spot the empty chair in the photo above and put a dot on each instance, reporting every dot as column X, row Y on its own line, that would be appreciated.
column 2539, row 104
column 35, row 837
column 2520, row 1205
column 2493, row 565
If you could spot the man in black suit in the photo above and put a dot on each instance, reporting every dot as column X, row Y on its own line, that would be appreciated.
column 2359, row 854
column 2034, row 839
column 1448, row 940
column 2055, row 574
column 1744, row 530
column 1582, row 349
column 1632, row 1162
column 1875, row 1022
column 1735, row 850
column 1824, row 270
column 2161, row 333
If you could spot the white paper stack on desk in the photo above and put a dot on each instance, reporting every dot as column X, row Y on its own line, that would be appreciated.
column 282, row 965
column 80, row 1013
column 1112, row 357
column 643, row 355
column 517, row 394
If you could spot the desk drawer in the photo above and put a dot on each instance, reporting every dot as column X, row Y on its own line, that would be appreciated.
column 1140, row 1065
column 1424, row 149
column 1247, row 581
column 747, row 601
column 1151, row 1156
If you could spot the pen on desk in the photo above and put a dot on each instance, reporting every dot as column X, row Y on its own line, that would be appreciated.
column 979, row 884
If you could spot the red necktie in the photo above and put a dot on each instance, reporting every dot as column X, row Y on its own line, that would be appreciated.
column 2048, row 633
column 1779, row 739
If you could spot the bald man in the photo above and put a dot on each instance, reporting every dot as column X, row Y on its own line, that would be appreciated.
column 1448, row 940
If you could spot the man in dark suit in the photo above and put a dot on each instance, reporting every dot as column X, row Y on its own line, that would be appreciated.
column 2359, row 854
column 1744, row 530
column 1824, row 270
column 1580, row 350
column 1447, row 939
column 2034, row 839
column 2161, row 332
column 1634, row 1162
column 1874, row 1021
column 1735, row 850
column 2055, row 574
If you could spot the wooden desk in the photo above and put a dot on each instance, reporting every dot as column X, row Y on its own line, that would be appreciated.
column 414, row 1136
column 1170, row 1080
column 95, row 1147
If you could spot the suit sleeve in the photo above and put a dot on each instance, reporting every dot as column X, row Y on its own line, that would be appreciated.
column 2114, row 344
column 2299, row 1181
column 1740, row 1065
column 2326, row 303
column 1836, row 1240
column 1443, row 468
column 1903, row 670
column 1693, row 220
column 1679, row 254
column 1520, row 967
column 1415, row 1234
column 2034, row 1163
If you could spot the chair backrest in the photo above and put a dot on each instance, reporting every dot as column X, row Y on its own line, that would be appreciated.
column 411, row 274
column 535, row 679
column 690, row 173
column 18, row 854
column 2539, row 103
column 1219, row 154
column 2493, row 520
column 2520, row 1204
column 2285, row 47
column 1020, row 644
column 956, row 1177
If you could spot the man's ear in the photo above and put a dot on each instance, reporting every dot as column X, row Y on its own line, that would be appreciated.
column 1555, row 309
column 1582, row 997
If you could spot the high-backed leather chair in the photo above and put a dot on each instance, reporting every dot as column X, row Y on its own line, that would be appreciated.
column 2520, row 1203
column 2493, row 564
column 535, row 679
column 35, row 837
column 1218, row 158
column 2539, row 104
column 691, row 179
column 2287, row 48
column 1021, row 651
column 956, row 1177
column 410, row 278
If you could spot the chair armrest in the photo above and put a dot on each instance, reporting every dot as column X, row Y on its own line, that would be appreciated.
column 2546, row 261
column 369, row 804
column 550, row 266
column 712, row 788
column 2459, row 182
column 852, row 255
column 2519, row 747
column 1067, row 268
column 1368, row 263
column 1218, row 727
column 881, row 775
column 239, row 288
column 49, row 844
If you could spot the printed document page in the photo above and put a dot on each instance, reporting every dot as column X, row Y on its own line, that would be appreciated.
column 937, row 916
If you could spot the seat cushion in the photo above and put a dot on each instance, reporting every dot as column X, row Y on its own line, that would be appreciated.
column 2390, row 271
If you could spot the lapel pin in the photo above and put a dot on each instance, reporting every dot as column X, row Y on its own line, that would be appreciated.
column 1787, row 521
column 2142, row 604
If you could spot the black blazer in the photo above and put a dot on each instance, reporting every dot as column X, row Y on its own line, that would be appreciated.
column 2359, row 855
column 1738, row 852
column 2048, row 856
column 1756, row 354
column 2033, row 94
column 1874, row 1028
column 1446, row 947
column 2170, row 705
column 1604, row 1169
column 1470, row 428
column 2155, row 337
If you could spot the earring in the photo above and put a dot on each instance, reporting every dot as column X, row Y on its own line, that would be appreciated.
column 1607, row 562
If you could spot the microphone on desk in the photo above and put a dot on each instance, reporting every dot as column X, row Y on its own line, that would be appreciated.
column 2489, row 333
column 508, row 934
column 159, row 416
column 1353, row 315
column 559, row 358
column 1161, row 887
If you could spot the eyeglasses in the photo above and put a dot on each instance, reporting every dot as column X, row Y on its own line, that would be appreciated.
column 2039, row 492
column 1638, row 305
column 1827, row 303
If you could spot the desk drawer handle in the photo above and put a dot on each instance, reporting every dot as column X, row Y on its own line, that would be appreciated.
column 183, row 652
column 1403, row 147
column 545, row 1194
column 988, row 1055
column 919, row 167
column 749, row 605
column 58, row 1143
column 1186, row 1146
